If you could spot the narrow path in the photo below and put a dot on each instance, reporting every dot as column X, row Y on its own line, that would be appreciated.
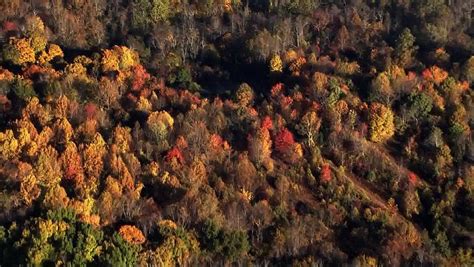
column 382, row 151
column 364, row 188
column 361, row 187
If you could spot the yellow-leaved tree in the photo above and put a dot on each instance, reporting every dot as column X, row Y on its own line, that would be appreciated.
column 122, row 138
column 29, row 189
column 9, row 146
column 381, row 123
column 47, row 169
column 93, row 156
column 260, row 148
column 119, row 58
column 244, row 95
column 36, row 33
column 19, row 51
column 276, row 64
column 381, row 88
column 159, row 124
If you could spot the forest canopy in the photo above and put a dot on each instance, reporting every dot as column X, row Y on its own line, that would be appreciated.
column 232, row 132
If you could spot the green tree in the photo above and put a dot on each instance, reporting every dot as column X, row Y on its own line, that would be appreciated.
column 469, row 69
column 177, row 245
column 229, row 244
column 140, row 16
column 405, row 48
column 436, row 20
column 235, row 245
column 160, row 10
column 80, row 244
column 420, row 105
column 119, row 253
column 56, row 237
column 145, row 13
column 23, row 89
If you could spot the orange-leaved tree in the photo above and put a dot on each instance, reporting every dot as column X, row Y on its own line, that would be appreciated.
column 19, row 52
column 132, row 234
column 260, row 145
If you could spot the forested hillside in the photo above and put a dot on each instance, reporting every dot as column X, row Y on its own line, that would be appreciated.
column 236, row 133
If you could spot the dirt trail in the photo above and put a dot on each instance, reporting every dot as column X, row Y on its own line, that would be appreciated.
column 384, row 153
column 361, row 187
column 364, row 188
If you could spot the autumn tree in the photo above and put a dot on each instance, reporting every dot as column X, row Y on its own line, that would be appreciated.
column 108, row 93
column 364, row 260
column 381, row 123
column 139, row 77
column 76, row 70
column 119, row 58
column 246, row 172
column 410, row 203
column 285, row 144
column 55, row 197
column 276, row 64
column 284, row 141
column 159, row 125
column 9, row 144
column 260, row 146
column 458, row 122
column 53, row 52
column 342, row 38
column 174, row 157
column 29, row 188
column 93, row 155
column 244, row 95
column 132, row 234
column 435, row 74
column 122, row 139
column 71, row 162
column 344, row 68
column 326, row 174
column 381, row 88
column 19, row 51
column 119, row 168
column 319, row 82
column 36, row 32
column 47, row 169
column 63, row 131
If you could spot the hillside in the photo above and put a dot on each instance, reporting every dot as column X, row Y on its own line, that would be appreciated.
column 235, row 133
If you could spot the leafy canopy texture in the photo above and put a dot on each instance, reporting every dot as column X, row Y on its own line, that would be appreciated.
column 236, row 133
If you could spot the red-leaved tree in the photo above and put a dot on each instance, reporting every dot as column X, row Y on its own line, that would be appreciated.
column 284, row 141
